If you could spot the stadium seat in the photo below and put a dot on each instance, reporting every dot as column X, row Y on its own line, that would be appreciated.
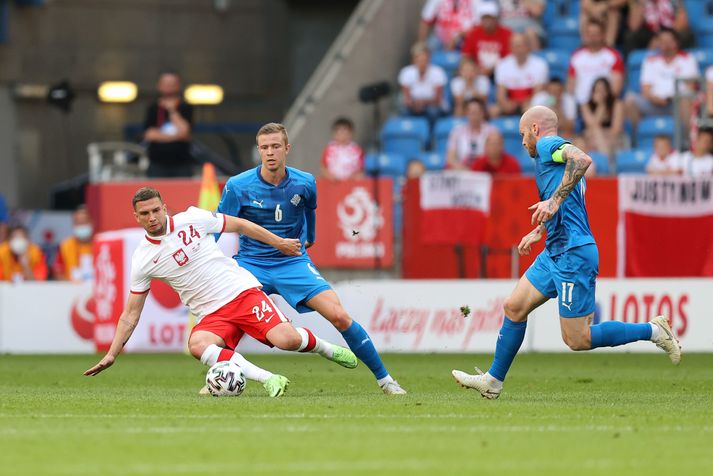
column 633, row 69
column 705, row 40
column 650, row 127
column 387, row 164
column 407, row 136
column 704, row 56
column 509, row 128
column 700, row 15
column 448, row 60
column 632, row 161
column 527, row 163
column 558, row 61
column 557, row 10
column 564, row 35
column 433, row 160
column 442, row 130
column 601, row 162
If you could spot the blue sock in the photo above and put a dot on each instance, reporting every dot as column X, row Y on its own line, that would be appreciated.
column 509, row 341
column 613, row 333
column 360, row 343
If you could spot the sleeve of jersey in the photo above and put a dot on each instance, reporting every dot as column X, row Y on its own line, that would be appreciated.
column 550, row 149
column 310, row 213
column 229, row 204
column 140, row 282
column 210, row 222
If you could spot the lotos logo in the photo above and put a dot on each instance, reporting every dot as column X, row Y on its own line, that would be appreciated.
column 642, row 307
column 359, row 216
column 105, row 284
column 82, row 317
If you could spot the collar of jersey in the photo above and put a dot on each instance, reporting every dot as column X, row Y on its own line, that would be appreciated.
column 169, row 229
column 279, row 185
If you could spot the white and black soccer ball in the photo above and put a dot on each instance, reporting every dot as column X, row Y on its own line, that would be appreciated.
column 225, row 379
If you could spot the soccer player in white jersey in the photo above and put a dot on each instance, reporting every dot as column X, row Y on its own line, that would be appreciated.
column 227, row 299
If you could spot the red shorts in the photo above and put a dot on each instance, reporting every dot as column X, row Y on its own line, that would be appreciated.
column 252, row 313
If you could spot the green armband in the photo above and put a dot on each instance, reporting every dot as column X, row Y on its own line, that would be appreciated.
column 557, row 155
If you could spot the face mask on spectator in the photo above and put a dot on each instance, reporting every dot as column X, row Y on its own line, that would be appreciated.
column 19, row 245
column 83, row 232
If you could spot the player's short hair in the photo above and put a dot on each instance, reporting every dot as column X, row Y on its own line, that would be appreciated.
column 343, row 122
column 143, row 194
column 272, row 128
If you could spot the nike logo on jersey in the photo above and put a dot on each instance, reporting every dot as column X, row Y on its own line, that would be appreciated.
column 269, row 318
column 259, row 204
column 155, row 260
column 365, row 341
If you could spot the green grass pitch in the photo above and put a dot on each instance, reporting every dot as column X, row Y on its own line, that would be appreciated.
column 564, row 414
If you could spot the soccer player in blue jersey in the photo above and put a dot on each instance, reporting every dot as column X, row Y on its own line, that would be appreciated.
column 567, row 268
column 283, row 200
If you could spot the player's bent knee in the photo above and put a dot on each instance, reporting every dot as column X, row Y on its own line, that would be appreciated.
column 514, row 310
column 578, row 343
column 340, row 318
column 196, row 348
column 285, row 339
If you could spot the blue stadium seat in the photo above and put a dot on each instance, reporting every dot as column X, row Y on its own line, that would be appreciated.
column 632, row 161
column 442, row 130
column 700, row 15
column 650, row 127
column 407, row 136
column 558, row 60
column 704, row 56
column 448, row 60
column 556, row 10
column 564, row 35
column 509, row 127
column 433, row 160
column 705, row 40
column 601, row 162
column 386, row 164
column 527, row 163
column 633, row 69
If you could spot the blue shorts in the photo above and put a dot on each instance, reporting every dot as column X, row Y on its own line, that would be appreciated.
column 571, row 277
column 295, row 279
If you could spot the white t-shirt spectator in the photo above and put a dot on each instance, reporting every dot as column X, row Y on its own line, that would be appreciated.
column 422, row 88
column 521, row 80
column 661, row 75
column 468, row 144
column 695, row 166
column 668, row 164
column 586, row 66
column 709, row 74
column 450, row 17
column 481, row 87
column 569, row 105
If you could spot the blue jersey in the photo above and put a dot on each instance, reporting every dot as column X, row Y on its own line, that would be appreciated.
column 283, row 209
column 569, row 227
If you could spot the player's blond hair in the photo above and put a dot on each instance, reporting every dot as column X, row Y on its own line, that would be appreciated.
column 272, row 128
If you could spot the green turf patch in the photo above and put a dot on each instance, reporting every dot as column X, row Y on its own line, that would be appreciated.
column 563, row 414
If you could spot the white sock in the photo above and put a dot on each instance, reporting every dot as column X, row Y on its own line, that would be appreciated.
column 493, row 381
column 210, row 355
column 383, row 381
column 250, row 370
column 321, row 347
column 655, row 331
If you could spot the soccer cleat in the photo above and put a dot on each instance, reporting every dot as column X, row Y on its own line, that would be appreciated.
column 393, row 388
column 344, row 357
column 276, row 385
column 666, row 340
column 204, row 390
column 477, row 382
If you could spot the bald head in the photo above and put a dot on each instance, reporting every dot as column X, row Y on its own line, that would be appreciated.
column 544, row 117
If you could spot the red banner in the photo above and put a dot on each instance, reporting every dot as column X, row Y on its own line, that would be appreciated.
column 667, row 226
column 354, row 224
column 109, row 290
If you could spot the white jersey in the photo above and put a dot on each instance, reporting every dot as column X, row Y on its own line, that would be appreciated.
column 188, row 259
column 661, row 75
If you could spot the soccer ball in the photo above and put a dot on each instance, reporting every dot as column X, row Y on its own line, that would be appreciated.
column 225, row 379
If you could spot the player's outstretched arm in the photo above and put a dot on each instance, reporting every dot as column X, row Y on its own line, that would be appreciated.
column 128, row 321
column 576, row 163
column 288, row 246
column 530, row 239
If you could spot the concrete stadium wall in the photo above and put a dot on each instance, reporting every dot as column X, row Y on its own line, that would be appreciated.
column 373, row 47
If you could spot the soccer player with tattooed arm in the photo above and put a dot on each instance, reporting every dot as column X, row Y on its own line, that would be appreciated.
column 568, row 266
column 227, row 299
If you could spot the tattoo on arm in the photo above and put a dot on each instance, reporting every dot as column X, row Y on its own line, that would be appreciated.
column 131, row 325
column 576, row 163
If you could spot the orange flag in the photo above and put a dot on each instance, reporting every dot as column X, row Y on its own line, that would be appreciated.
column 209, row 197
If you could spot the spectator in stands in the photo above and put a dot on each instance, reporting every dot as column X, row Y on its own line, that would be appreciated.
column 469, row 84
column 4, row 217
column 167, row 129
column 647, row 18
column 658, row 82
column 21, row 260
column 342, row 158
column 603, row 117
column 414, row 169
column 488, row 42
column 524, row 16
column 75, row 259
column 422, row 85
column 449, row 21
column 664, row 160
column 556, row 98
column 605, row 12
column 709, row 92
column 467, row 141
column 698, row 162
column 518, row 77
column 594, row 60
column 495, row 160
